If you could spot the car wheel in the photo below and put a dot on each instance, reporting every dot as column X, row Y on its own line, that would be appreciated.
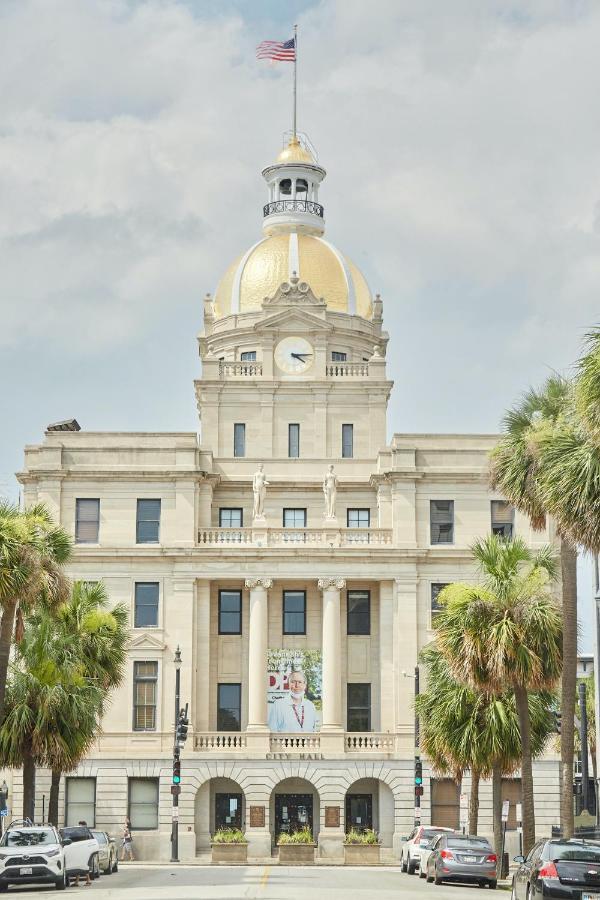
column 437, row 879
column 115, row 867
column 402, row 863
column 493, row 885
column 412, row 866
column 3, row 888
column 95, row 873
column 429, row 877
column 61, row 883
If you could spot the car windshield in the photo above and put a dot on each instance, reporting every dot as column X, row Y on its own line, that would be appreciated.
column 468, row 844
column 77, row 833
column 429, row 833
column 580, row 852
column 28, row 837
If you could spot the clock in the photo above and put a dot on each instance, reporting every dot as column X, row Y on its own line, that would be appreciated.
column 294, row 355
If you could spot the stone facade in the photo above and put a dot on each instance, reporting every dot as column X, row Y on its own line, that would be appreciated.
column 383, row 538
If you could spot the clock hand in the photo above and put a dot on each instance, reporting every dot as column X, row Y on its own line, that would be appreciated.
column 300, row 355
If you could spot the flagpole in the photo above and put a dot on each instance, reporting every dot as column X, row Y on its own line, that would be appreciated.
column 295, row 65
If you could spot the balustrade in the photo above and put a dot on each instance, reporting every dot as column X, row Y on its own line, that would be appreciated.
column 240, row 369
column 289, row 537
column 221, row 741
column 301, row 743
column 369, row 742
column 347, row 370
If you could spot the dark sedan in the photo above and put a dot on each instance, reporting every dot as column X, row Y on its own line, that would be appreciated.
column 462, row 857
column 559, row 869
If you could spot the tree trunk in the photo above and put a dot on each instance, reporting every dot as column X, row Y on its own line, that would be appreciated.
column 568, row 565
column 6, row 635
column 497, row 814
column 53, row 801
column 474, row 802
column 522, row 702
column 28, row 786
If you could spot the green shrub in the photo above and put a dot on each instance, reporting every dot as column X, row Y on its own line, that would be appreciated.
column 229, row 836
column 303, row 836
column 368, row 836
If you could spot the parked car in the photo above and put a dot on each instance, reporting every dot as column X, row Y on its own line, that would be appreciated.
column 426, row 853
column 462, row 857
column 419, row 838
column 82, row 853
column 108, row 856
column 557, row 868
column 32, row 854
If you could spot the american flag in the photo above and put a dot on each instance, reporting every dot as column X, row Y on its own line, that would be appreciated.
column 282, row 51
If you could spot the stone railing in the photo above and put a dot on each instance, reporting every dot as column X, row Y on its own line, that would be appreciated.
column 219, row 741
column 225, row 536
column 369, row 742
column 291, row 537
column 240, row 369
column 347, row 370
column 294, row 743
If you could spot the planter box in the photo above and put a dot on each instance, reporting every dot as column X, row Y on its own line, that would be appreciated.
column 229, row 853
column 296, row 854
column 362, row 854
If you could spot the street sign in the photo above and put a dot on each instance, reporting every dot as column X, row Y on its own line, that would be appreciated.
column 4, row 812
column 505, row 808
column 175, row 813
column 418, row 812
column 175, row 789
column 519, row 813
column 464, row 801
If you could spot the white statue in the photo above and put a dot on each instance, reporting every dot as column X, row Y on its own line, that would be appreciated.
column 259, row 487
column 330, row 483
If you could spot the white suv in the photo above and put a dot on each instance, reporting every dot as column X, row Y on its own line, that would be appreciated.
column 82, row 851
column 419, row 838
column 32, row 854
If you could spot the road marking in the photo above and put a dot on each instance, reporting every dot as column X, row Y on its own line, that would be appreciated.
column 265, row 876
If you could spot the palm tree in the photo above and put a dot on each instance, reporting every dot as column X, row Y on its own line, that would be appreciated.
column 506, row 634
column 518, row 471
column 33, row 551
column 465, row 729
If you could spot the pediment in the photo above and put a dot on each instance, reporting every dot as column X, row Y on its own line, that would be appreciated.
column 147, row 641
column 294, row 293
column 295, row 319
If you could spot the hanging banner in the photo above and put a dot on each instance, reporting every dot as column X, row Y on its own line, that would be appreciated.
column 294, row 690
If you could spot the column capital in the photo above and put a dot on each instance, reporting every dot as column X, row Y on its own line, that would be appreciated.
column 325, row 584
column 265, row 583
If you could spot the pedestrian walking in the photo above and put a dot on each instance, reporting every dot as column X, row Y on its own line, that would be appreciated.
column 127, row 842
column 88, row 879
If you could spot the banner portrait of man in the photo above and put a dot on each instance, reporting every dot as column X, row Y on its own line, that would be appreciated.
column 294, row 690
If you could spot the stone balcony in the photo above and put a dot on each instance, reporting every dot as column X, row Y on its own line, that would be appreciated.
column 290, row 537
column 350, row 743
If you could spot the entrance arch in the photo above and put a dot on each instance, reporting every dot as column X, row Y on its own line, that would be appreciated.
column 369, row 803
column 294, row 804
column 220, row 803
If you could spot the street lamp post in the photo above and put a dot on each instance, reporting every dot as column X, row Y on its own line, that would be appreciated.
column 418, row 775
column 175, row 811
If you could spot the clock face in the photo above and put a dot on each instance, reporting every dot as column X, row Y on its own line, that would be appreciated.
column 294, row 355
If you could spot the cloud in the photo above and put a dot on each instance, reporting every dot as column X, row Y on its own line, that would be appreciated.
column 464, row 176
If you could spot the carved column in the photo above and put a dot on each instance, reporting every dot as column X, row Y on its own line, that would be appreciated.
column 332, row 653
column 257, row 652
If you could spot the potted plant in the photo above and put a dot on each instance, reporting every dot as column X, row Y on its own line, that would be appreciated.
column 229, row 845
column 362, row 848
column 296, row 848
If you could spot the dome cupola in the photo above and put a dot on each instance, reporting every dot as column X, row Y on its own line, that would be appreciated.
column 293, row 181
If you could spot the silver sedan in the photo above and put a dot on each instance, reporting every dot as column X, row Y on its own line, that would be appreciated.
column 462, row 857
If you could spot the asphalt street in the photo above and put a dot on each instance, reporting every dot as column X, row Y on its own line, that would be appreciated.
column 259, row 883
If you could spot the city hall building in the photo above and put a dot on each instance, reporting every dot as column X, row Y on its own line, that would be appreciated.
column 292, row 552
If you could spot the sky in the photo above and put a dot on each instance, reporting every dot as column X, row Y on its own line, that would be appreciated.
column 462, row 144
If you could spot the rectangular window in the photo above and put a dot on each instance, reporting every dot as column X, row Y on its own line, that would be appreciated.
column 143, row 804
column 294, row 612
column 436, row 588
column 146, row 604
column 248, row 356
column 441, row 516
column 147, row 523
column 359, row 707
column 229, row 703
column 503, row 518
column 239, row 439
column 338, row 356
column 294, row 518
column 80, row 801
column 358, row 518
column 145, row 680
column 231, row 517
column 359, row 612
column 87, row 521
column 293, row 440
column 230, row 612
column 347, row 441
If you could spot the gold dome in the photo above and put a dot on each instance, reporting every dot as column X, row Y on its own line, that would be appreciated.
column 260, row 272
column 295, row 153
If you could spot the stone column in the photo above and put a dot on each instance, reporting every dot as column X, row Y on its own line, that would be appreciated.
column 257, row 653
column 332, row 654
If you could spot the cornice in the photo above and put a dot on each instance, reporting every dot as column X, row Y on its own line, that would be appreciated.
column 114, row 474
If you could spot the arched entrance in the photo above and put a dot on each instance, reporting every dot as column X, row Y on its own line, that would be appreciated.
column 294, row 805
column 370, row 804
column 220, row 803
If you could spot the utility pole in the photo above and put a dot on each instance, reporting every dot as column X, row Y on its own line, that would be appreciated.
column 583, row 739
column 179, row 738
column 419, row 789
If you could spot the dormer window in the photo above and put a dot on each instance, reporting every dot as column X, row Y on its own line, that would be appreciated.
column 248, row 356
column 338, row 356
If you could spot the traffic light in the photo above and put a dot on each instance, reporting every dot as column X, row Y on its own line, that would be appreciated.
column 176, row 770
column 418, row 778
column 182, row 726
column 557, row 720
